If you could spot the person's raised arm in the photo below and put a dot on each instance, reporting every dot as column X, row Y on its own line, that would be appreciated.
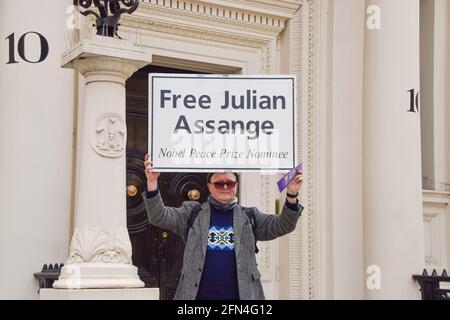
column 271, row 226
column 174, row 219
column 152, row 177
column 293, row 188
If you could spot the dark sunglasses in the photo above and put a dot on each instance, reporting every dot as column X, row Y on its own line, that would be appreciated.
column 222, row 184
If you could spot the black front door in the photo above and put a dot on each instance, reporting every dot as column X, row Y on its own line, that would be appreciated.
column 158, row 253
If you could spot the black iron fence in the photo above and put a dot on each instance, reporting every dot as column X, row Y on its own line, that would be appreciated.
column 48, row 275
column 432, row 286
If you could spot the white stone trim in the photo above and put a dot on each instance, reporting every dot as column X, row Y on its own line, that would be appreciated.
column 296, row 238
column 94, row 244
column 437, row 198
column 436, row 219
column 432, row 222
column 302, row 242
column 99, row 294
column 259, row 11
column 310, row 19
column 283, row 8
column 109, row 135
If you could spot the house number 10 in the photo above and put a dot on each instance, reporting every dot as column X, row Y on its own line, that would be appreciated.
column 21, row 47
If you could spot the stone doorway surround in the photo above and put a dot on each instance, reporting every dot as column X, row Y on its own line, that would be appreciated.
column 248, row 37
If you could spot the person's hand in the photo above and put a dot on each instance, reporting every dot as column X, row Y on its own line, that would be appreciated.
column 294, row 186
column 152, row 177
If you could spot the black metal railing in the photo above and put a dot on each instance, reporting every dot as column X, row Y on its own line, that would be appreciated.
column 430, row 285
column 48, row 275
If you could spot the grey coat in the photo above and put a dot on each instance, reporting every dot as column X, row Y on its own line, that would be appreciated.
column 269, row 227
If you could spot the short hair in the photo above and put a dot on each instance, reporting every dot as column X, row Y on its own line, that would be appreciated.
column 208, row 178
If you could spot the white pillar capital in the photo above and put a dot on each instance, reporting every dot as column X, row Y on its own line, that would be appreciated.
column 106, row 59
column 106, row 69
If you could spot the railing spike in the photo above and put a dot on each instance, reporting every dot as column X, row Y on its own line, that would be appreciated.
column 424, row 273
column 444, row 273
column 434, row 274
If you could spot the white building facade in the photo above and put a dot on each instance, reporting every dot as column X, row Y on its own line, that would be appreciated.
column 376, row 159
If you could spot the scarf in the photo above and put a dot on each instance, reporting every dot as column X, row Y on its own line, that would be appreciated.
column 222, row 206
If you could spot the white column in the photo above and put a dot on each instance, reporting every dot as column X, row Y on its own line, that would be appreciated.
column 346, row 150
column 393, row 222
column 36, row 127
column 100, row 252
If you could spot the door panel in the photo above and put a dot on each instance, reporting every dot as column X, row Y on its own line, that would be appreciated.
column 157, row 253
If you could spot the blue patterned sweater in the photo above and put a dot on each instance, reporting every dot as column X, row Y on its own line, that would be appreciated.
column 219, row 277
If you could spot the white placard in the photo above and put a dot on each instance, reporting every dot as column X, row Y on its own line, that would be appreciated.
column 200, row 123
